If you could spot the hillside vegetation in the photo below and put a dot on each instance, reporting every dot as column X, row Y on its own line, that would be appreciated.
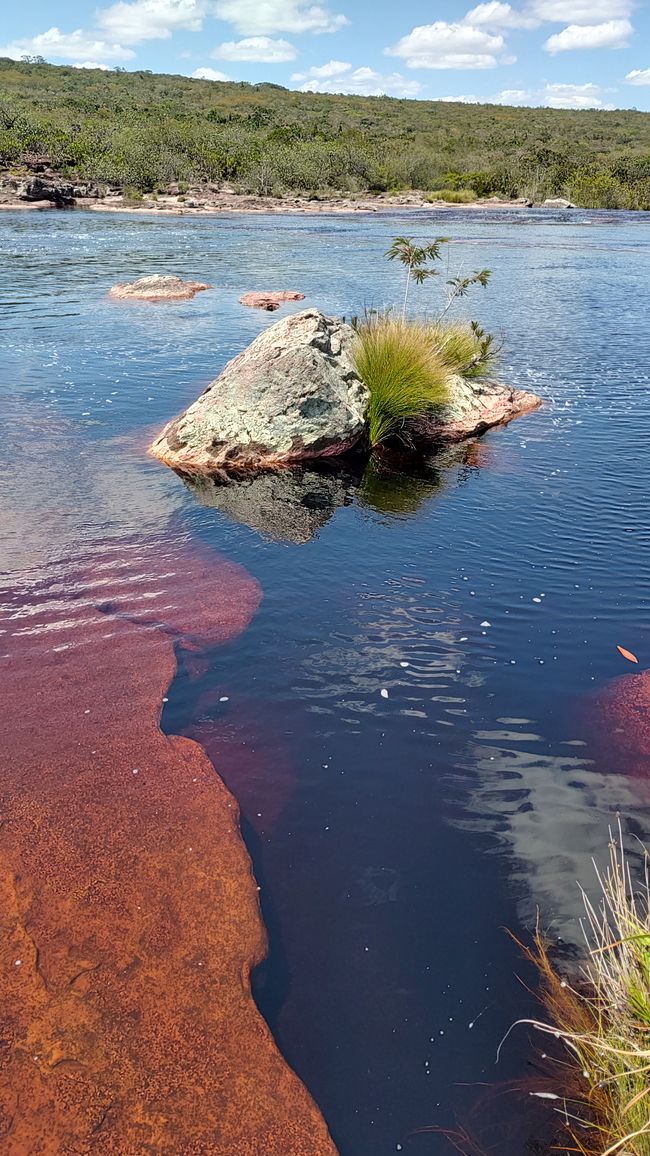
column 144, row 132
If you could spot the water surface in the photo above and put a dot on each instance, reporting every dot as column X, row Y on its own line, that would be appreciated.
column 393, row 837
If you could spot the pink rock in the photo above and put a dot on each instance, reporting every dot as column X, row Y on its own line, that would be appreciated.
column 157, row 288
column 270, row 301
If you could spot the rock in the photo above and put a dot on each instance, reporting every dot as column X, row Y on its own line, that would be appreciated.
column 557, row 203
column 285, row 505
column 158, row 287
column 293, row 395
column 270, row 301
column 473, row 408
column 127, row 895
column 40, row 189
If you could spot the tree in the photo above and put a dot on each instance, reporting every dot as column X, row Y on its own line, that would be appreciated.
column 417, row 260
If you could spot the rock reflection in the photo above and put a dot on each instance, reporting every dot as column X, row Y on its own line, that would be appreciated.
column 285, row 505
column 293, row 505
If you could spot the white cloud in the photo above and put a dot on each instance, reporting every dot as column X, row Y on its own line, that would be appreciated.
column 638, row 76
column 151, row 19
column 551, row 96
column 459, row 99
column 495, row 14
column 73, row 46
column 252, row 17
column 515, row 96
column 574, row 96
column 336, row 76
column 611, row 34
column 443, row 45
column 580, row 11
column 261, row 49
column 91, row 64
column 323, row 71
column 208, row 74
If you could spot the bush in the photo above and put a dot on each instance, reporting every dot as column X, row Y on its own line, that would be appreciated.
column 404, row 372
column 465, row 348
column 453, row 196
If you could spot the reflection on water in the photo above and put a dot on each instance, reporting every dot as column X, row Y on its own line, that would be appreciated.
column 404, row 723
column 291, row 505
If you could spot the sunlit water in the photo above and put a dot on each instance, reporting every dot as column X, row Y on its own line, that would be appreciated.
column 394, row 835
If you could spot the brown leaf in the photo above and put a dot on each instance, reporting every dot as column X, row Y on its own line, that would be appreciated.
column 627, row 654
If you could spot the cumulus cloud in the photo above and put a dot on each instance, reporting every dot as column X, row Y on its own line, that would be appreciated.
column 580, row 11
column 91, row 64
column 443, row 45
column 208, row 74
column 551, row 96
column 72, row 46
column 575, row 96
column 459, row 99
column 253, row 17
column 611, row 34
column 638, row 76
column 261, row 49
column 337, row 76
column 496, row 14
column 151, row 19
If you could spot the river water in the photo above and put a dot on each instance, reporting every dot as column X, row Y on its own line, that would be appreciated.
column 406, row 723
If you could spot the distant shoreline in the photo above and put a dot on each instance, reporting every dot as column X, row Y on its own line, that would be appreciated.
column 210, row 204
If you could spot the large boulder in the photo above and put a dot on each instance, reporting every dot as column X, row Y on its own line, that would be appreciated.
column 293, row 395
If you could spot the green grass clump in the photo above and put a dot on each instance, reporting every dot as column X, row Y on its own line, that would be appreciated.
column 602, row 1083
column 453, row 196
column 404, row 372
column 465, row 348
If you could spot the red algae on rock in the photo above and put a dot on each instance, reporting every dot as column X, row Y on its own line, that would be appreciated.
column 619, row 725
column 129, row 913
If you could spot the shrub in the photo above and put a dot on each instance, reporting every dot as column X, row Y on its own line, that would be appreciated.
column 453, row 196
column 404, row 372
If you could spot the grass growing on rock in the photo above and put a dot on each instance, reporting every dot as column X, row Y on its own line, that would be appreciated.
column 409, row 366
column 602, row 1083
column 403, row 370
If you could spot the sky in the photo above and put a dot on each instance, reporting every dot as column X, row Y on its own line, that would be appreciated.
column 559, row 53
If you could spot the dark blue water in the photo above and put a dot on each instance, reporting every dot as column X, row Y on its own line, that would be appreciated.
column 393, row 836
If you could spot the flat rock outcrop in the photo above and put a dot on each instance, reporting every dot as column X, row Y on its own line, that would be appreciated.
column 129, row 915
column 474, row 407
column 292, row 396
column 270, row 301
column 158, row 287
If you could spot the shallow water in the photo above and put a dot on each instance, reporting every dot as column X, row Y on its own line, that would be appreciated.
column 393, row 837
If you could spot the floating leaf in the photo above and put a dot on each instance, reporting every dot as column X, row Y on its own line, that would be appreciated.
column 627, row 654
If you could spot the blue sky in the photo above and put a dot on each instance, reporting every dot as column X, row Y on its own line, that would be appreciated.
column 560, row 53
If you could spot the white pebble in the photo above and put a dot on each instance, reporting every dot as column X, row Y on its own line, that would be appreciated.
column 383, row 692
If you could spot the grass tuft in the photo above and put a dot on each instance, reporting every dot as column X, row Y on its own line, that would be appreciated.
column 405, row 373
column 408, row 367
column 603, row 1021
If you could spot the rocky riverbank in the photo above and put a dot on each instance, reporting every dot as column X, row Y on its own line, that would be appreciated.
column 49, row 190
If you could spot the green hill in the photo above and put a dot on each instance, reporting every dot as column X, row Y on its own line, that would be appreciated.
column 143, row 131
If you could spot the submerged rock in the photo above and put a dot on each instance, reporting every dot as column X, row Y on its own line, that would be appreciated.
column 270, row 301
column 293, row 395
column 473, row 407
column 158, row 287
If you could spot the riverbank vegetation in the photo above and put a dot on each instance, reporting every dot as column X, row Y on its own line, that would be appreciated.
column 600, row 1085
column 144, row 132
